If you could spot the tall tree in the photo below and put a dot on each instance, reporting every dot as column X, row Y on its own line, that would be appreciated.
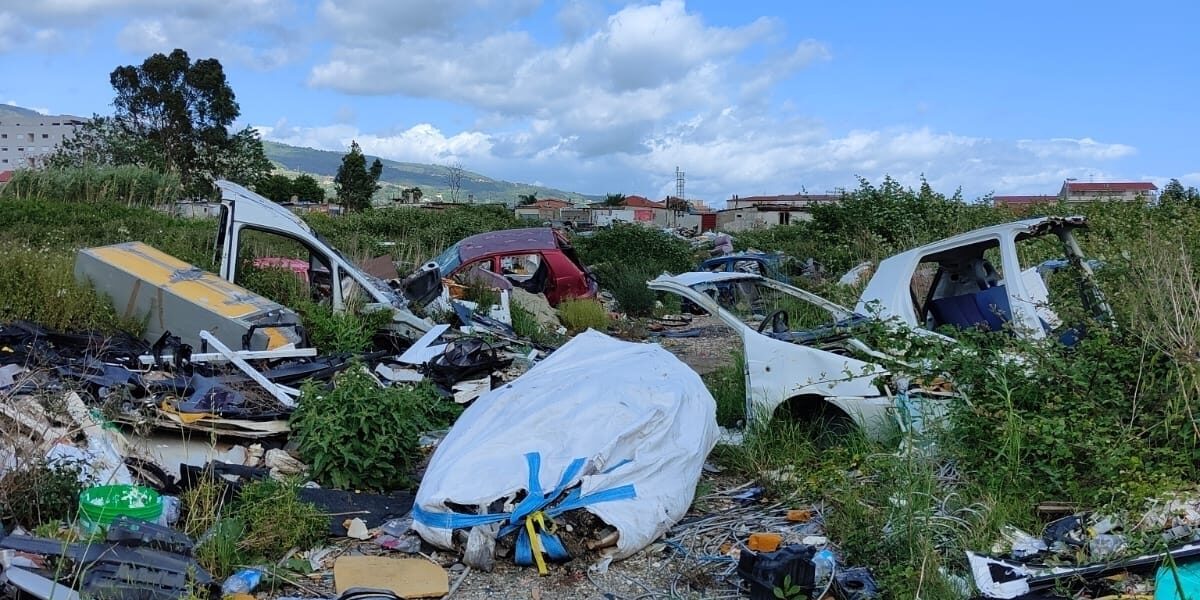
column 614, row 199
column 172, row 115
column 526, row 199
column 355, row 184
column 1174, row 193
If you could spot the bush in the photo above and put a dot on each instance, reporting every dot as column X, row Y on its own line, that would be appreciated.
column 361, row 436
column 628, row 287
column 579, row 314
column 40, row 287
column 39, row 493
column 622, row 245
column 276, row 520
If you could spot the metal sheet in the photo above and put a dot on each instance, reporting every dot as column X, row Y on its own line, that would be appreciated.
column 171, row 295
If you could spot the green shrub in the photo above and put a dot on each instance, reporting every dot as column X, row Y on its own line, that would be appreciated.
column 40, row 287
column 38, row 493
column 579, row 314
column 361, row 436
column 276, row 520
column 524, row 322
column 622, row 245
column 628, row 286
column 349, row 331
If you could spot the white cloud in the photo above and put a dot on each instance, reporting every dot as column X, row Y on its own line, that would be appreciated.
column 599, row 92
column 1083, row 148
column 727, row 152
column 250, row 32
column 421, row 143
column 44, row 111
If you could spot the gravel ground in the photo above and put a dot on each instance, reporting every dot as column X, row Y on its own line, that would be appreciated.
column 710, row 351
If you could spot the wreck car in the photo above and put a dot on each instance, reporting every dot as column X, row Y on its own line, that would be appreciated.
column 991, row 278
column 799, row 350
column 539, row 260
column 334, row 279
column 762, row 263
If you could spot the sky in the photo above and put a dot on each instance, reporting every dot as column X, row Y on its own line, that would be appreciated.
column 746, row 98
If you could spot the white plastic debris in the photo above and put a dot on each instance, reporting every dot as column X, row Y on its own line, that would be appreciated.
column 628, row 421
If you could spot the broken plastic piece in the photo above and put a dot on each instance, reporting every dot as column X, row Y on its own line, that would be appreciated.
column 258, row 378
column 38, row 586
column 764, row 542
column 406, row 577
column 855, row 584
column 765, row 572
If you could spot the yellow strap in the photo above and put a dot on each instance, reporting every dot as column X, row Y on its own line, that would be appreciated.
column 535, row 540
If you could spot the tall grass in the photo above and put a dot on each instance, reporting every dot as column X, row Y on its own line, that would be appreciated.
column 127, row 184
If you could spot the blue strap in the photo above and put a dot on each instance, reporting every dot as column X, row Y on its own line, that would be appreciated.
column 534, row 501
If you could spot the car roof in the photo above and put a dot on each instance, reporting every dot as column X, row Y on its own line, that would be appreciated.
column 506, row 241
column 692, row 278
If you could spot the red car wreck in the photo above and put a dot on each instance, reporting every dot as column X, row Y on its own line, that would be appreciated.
column 538, row 260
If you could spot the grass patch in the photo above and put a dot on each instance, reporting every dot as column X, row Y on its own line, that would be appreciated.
column 277, row 520
column 628, row 287
column 40, row 287
column 728, row 387
column 39, row 493
column 581, row 314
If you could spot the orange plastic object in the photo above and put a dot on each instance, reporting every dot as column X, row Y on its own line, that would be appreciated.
column 799, row 516
column 765, row 542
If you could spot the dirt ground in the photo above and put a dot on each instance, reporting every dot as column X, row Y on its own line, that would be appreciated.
column 711, row 350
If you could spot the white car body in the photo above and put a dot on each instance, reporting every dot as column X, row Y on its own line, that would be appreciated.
column 964, row 293
column 779, row 371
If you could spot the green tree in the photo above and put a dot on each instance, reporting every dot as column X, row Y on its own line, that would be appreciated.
column 172, row 115
column 306, row 188
column 355, row 184
column 526, row 199
column 276, row 188
column 1175, row 194
column 614, row 199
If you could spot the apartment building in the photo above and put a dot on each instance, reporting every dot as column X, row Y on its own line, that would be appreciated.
column 26, row 140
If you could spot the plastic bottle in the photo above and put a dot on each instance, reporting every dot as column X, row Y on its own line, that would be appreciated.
column 242, row 582
column 823, row 563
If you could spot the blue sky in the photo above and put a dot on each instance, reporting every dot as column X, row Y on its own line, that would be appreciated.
column 598, row 96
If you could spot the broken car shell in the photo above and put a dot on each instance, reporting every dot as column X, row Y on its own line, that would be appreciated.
column 242, row 209
column 779, row 371
column 968, row 290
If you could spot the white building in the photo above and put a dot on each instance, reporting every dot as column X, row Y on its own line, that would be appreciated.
column 26, row 140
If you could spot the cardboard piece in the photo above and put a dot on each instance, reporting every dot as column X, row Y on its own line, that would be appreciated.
column 407, row 577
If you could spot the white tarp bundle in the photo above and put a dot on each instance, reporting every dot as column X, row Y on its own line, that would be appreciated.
column 616, row 428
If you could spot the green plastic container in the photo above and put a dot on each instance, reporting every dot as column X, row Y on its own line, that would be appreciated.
column 99, row 505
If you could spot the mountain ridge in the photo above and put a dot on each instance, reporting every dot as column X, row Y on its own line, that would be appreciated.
column 432, row 179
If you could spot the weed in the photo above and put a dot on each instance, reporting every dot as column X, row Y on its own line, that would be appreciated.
column 728, row 387
column 481, row 293
column 277, row 520
column 126, row 184
column 580, row 314
column 628, row 286
column 348, row 331
column 218, row 552
column 39, row 493
column 524, row 322
column 652, row 250
column 361, row 436
column 39, row 287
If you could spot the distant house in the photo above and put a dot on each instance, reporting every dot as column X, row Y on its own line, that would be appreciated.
column 1023, row 202
column 1079, row 192
column 756, row 212
column 5, row 177
column 801, row 201
column 549, row 209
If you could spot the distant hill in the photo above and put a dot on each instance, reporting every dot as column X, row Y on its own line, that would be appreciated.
column 8, row 112
column 430, row 178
